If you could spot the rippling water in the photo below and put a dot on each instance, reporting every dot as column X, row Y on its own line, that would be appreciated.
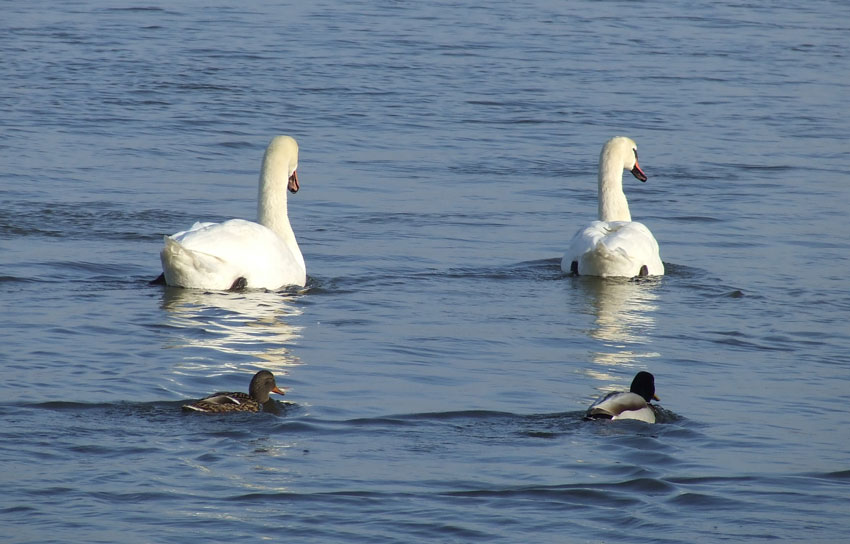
column 439, row 362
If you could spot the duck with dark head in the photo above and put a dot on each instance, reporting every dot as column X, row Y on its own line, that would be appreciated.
column 631, row 404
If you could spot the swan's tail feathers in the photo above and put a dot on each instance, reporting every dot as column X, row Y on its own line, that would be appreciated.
column 605, row 261
column 613, row 249
column 184, row 267
column 239, row 284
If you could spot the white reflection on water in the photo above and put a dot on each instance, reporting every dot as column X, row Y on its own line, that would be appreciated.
column 222, row 331
column 623, row 324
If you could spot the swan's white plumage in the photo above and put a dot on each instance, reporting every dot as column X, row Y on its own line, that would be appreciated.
column 613, row 249
column 614, row 245
column 265, row 254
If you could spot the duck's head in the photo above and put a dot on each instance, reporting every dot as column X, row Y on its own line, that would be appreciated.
column 261, row 385
column 623, row 150
column 644, row 385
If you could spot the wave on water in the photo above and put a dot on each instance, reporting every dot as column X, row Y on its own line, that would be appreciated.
column 537, row 270
column 512, row 422
column 107, row 220
column 587, row 494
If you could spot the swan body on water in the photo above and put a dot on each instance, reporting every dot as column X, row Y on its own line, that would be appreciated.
column 239, row 254
column 614, row 246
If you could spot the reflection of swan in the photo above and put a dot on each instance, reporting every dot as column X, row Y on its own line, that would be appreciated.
column 249, row 328
column 623, row 311
column 239, row 253
column 614, row 246
column 623, row 308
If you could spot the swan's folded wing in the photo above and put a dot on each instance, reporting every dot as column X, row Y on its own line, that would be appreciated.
column 195, row 269
column 233, row 237
column 614, row 248
column 583, row 242
column 632, row 239
column 216, row 254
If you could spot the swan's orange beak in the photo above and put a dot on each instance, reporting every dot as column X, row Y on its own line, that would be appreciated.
column 293, row 185
column 637, row 172
column 278, row 390
column 655, row 397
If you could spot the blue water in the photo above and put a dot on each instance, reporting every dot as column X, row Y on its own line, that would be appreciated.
column 439, row 362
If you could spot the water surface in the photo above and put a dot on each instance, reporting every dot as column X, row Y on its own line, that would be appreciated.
column 439, row 362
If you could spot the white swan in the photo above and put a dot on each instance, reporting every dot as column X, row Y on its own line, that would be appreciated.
column 238, row 253
column 615, row 245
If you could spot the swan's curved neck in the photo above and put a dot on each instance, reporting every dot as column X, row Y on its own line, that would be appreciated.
column 271, row 203
column 272, row 211
column 612, row 201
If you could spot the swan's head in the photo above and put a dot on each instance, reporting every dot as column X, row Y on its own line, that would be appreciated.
column 282, row 157
column 622, row 150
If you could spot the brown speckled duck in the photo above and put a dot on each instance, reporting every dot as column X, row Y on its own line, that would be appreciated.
column 257, row 397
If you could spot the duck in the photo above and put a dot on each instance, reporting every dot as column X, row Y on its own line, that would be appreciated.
column 262, row 384
column 631, row 404
column 240, row 254
column 614, row 246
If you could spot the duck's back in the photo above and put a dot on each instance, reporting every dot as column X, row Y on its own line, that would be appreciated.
column 224, row 402
column 622, row 405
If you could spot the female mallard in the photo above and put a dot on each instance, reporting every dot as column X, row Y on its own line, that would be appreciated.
column 633, row 404
column 258, row 396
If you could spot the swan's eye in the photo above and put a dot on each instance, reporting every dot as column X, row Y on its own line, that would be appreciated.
column 635, row 150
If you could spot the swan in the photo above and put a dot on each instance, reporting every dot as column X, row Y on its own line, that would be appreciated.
column 239, row 254
column 633, row 404
column 614, row 245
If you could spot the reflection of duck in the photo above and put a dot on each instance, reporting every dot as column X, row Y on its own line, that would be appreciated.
column 633, row 404
column 262, row 384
